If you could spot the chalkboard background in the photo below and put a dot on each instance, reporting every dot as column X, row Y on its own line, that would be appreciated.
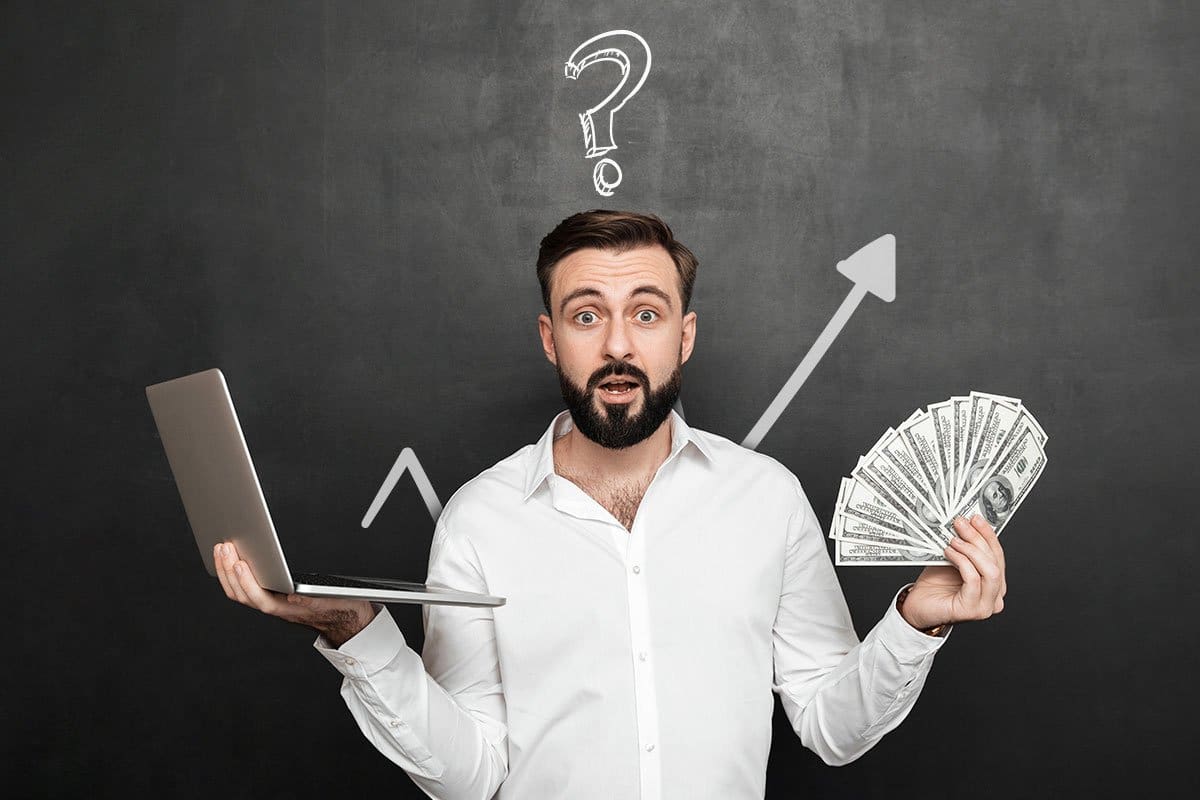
column 339, row 205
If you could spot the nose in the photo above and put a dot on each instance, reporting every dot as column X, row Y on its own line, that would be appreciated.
column 617, row 344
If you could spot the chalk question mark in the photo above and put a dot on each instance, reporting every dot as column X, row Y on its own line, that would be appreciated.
column 599, row 140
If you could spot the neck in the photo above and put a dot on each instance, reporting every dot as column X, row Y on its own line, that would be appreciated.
column 578, row 454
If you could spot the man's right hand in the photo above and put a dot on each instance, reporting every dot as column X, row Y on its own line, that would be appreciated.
column 337, row 620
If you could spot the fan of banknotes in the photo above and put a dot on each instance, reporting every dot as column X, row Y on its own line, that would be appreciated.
column 978, row 454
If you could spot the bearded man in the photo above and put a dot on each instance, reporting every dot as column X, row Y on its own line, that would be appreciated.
column 661, row 581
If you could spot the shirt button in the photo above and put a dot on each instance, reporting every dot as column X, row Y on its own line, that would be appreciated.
column 636, row 569
column 350, row 662
column 394, row 723
column 649, row 748
column 642, row 655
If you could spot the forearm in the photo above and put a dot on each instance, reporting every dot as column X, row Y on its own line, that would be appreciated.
column 449, row 751
column 843, row 713
column 341, row 625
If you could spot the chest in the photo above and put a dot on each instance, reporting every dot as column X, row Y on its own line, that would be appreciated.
column 702, row 576
column 620, row 498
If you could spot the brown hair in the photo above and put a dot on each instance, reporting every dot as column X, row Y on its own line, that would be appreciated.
column 613, row 230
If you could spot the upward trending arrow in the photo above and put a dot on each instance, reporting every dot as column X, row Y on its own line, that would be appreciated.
column 873, row 269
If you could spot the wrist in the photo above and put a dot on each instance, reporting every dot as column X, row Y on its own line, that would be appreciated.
column 342, row 625
column 924, row 626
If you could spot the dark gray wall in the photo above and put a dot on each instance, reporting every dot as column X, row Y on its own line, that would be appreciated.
column 339, row 205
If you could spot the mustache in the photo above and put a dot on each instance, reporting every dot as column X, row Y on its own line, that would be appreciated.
column 618, row 369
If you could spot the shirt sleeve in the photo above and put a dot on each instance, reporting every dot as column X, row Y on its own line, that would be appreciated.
column 840, row 695
column 440, row 715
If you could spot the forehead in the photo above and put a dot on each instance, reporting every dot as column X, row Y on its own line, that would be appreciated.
column 613, row 272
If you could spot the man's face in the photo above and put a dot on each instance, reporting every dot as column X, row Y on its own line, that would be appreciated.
column 618, row 316
column 997, row 495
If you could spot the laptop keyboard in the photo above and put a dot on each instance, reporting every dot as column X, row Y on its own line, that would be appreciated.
column 352, row 582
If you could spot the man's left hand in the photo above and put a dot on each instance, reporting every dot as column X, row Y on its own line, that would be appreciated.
column 973, row 588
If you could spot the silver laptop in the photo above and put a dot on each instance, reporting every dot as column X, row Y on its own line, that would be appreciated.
column 224, row 501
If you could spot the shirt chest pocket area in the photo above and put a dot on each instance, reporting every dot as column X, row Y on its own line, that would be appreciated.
column 547, row 626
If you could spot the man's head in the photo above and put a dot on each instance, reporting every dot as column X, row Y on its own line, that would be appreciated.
column 995, row 498
column 616, row 286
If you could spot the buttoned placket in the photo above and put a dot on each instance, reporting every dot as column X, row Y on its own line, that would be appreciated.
column 636, row 576
column 631, row 550
column 629, row 546
column 632, row 545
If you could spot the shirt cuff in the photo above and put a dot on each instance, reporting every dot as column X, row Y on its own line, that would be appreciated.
column 903, row 640
column 369, row 650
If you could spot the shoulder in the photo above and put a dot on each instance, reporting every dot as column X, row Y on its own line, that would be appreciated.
column 731, row 459
column 494, row 491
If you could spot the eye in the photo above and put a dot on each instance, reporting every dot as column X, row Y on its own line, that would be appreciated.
column 642, row 315
column 586, row 317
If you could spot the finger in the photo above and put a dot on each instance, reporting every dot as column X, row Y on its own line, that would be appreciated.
column 967, row 535
column 235, row 581
column 961, row 605
column 978, row 531
column 969, row 591
column 964, row 528
column 217, row 568
column 978, row 553
column 991, row 578
column 989, row 535
column 223, row 565
column 258, row 597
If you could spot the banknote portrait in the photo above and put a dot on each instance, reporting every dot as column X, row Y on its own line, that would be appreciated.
column 928, row 513
column 995, row 499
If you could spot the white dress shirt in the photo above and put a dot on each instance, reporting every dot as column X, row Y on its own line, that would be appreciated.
column 629, row 663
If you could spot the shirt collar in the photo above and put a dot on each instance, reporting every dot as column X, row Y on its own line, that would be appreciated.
column 541, row 460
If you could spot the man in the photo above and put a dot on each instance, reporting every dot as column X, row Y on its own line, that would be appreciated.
column 661, row 581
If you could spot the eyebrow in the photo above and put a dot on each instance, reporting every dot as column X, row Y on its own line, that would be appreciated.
column 589, row 292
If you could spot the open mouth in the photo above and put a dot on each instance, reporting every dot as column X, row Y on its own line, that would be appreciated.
column 617, row 388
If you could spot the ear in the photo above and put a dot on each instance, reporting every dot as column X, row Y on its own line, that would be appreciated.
column 546, row 331
column 688, row 340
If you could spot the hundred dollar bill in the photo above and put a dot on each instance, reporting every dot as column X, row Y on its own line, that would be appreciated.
column 1001, row 416
column 943, row 425
column 962, row 411
column 878, row 472
column 921, row 437
column 1002, row 398
column 1026, row 421
column 860, row 501
column 867, row 555
column 853, row 529
column 893, row 445
column 1005, row 487
column 986, row 463
column 976, row 411
column 981, row 406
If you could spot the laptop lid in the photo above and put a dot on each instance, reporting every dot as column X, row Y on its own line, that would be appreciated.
column 224, row 501
column 214, row 474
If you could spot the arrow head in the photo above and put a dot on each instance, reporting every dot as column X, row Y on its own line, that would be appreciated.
column 874, row 267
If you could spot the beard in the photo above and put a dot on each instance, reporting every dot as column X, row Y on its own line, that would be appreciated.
column 615, row 427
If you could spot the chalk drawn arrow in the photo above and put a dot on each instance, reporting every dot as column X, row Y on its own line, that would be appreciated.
column 873, row 269
column 406, row 461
